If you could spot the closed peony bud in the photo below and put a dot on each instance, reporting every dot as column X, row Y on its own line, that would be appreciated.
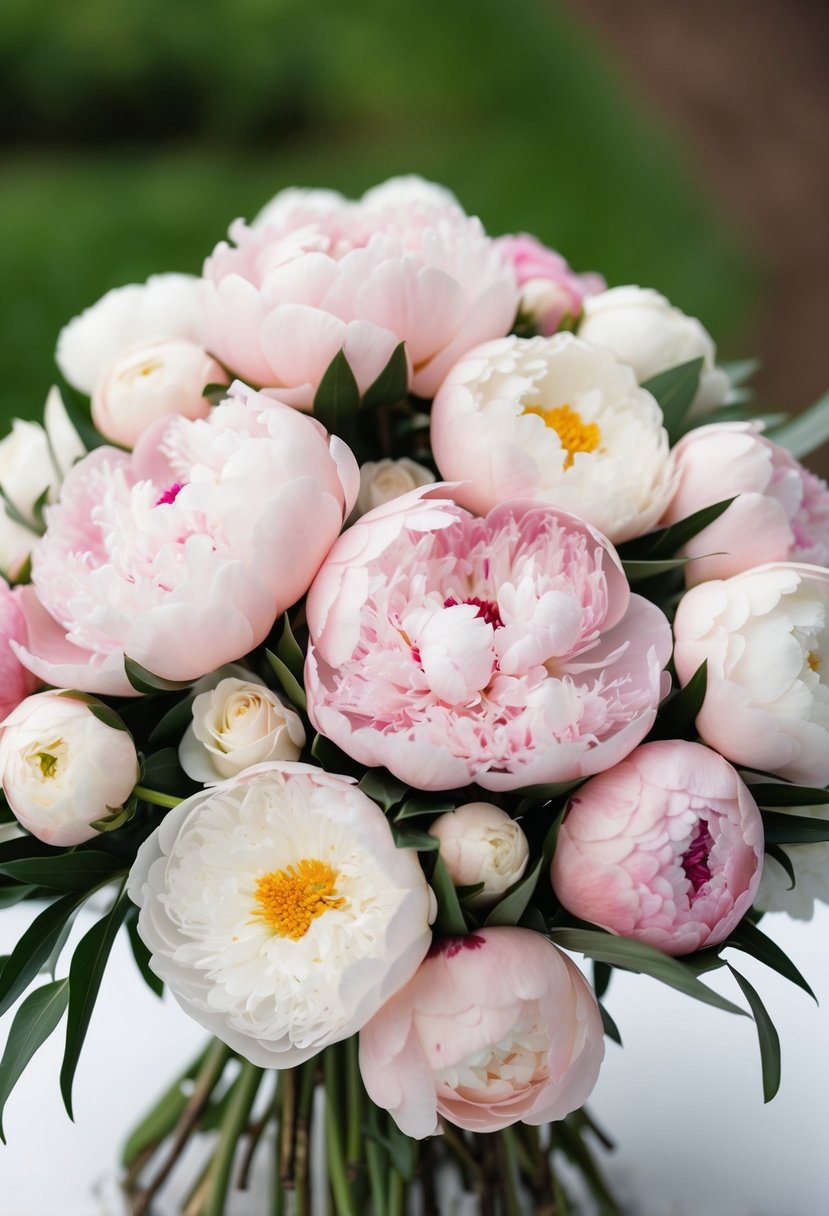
column 236, row 724
column 63, row 768
column 383, row 480
column 480, row 843
column 150, row 383
column 550, row 290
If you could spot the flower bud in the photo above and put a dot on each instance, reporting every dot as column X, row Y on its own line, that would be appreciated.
column 480, row 843
column 62, row 768
column 147, row 384
column 383, row 480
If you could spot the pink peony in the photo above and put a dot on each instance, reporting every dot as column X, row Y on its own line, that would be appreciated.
column 550, row 290
column 494, row 1028
column 764, row 636
column 315, row 274
column 781, row 512
column 15, row 681
column 666, row 847
column 182, row 555
column 506, row 651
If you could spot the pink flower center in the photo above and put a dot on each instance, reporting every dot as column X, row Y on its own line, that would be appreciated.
column 695, row 857
column 488, row 609
column 171, row 493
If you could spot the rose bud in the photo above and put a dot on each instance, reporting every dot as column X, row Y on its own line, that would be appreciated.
column 63, row 768
column 666, row 847
column 481, row 843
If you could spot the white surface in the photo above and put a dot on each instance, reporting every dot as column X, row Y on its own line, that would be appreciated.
column 682, row 1099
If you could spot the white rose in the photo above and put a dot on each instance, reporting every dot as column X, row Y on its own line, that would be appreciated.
column 154, row 381
column 383, row 480
column 481, row 843
column 644, row 330
column 236, row 724
column 33, row 462
column 62, row 768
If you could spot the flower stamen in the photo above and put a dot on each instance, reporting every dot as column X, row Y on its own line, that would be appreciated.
column 575, row 434
column 292, row 898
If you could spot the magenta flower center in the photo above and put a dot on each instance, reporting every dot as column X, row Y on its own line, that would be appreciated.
column 695, row 857
column 488, row 609
column 171, row 493
column 450, row 946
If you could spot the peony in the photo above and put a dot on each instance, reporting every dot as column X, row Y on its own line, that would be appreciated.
column 558, row 421
column 383, row 480
column 164, row 378
column 33, row 461
column 481, row 843
column 644, row 330
column 15, row 681
column 316, row 274
column 279, row 911
column 182, row 555
column 550, row 290
column 763, row 634
column 496, row 1027
column 62, row 768
column 167, row 306
column 810, row 863
column 237, row 723
column 666, row 847
column 506, row 651
column 781, row 511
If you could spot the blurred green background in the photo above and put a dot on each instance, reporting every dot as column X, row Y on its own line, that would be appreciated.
column 135, row 130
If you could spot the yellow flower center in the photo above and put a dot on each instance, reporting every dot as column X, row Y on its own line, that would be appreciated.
column 290, row 899
column 814, row 660
column 575, row 434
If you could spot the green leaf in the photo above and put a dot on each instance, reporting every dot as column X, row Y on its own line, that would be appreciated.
column 146, row 681
column 25, row 846
column 751, row 940
column 117, row 817
column 11, row 895
column 510, row 909
column 610, row 1027
column 408, row 837
column 104, row 713
column 384, row 789
column 450, row 919
column 77, row 408
column 85, row 973
column 679, row 713
column 638, row 571
column 35, row 947
column 806, row 432
column 337, row 399
column 602, row 974
column 636, row 956
column 391, row 384
column 784, row 861
column 142, row 955
column 423, row 804
column 330, row 757
column 34, row 1021
column 76, row 871
column 289, row 651
column 739, row 370
column 161, row 771
column 766, row 1034
column 781, row 828
column 674, row 390
column 780, row 793
column 171, row 726
column 288, row 682
column 665, row 542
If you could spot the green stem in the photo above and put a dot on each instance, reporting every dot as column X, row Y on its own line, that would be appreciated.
column 376, row 1177
column 396, row 1192
column 509, row 1162
column 233, row 1125
column 333, row 1138
column 302, row 1140
column 156, row 797
column 354, row 1103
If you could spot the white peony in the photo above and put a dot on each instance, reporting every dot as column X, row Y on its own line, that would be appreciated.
column 810, row 863
column 279, row 911
column 481, row 843
column 383, row 480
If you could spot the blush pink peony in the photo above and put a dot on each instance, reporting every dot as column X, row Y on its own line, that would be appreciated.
column 316, row 273
column 507, row 651
column 550, row 290
column 182, row 554
column 494, row 1028
column 666, row 847
column 781, row 512
column 15, row 681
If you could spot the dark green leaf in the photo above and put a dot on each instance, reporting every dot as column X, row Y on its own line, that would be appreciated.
column 76, row 871
column 638, row 571
column 161, row 771
column 674, row 390
column 423, row 804
column 287, row 681
column 510, row 908
column 602, row 974
column 85, row 973
column 116, row 818
column 25, row 846
column 467, row 893
column 784, row 861
column 106, row 715
column 330, row 757
column 781, row 828
column 77, row 408
column 142, row 955
column 391, row 384
column 781, row 793
column 34, row 948
column 806, row 432
column 290, row 652
column 665, row 542
column 170, row 727
column 751, row 940
column 766, row 1035
column 610, row 1027
column 636, row 956
column 450, row 920
column 337, row 399
column 34, row 1021
column 679, row 712
column 384, row 789
column 146, row 681
column 408, row 837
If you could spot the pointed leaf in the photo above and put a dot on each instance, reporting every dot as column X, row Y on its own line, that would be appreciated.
column 35, row 947
column 384, row 789
column 170, row 727
column 610, row 1027
column 85, row 974
column 751, row 940
column 766, row 1034
column 14, row 894
column 338, row 398
column 423, row 804
column 602, row 974
column 784, row 861
column 288, row 681
column 665, row 542
column 781, row 793
column 510, row 909
column 450, row 920
column 161, row 771
column 142, row 955
column 674, row 390
column 408, row 837
column 391, row 384
column 781, row 828
column 638, row 571
column 806, row 432
column 146, row 681
column 34, row 1021
column 290, row 652
column 77, row 871
column 679, row 713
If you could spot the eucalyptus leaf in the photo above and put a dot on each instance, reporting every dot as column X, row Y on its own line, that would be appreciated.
column 807, row 431
column 767, row 1036
column 337, row 399
column 146, row 681
column 510, row 908
column 674, row 390
column 33, row 1022
column 449, row 921
column 751, row 940
column 392, row 383
column 79, row 870
column 35, row 947
column 288, row 682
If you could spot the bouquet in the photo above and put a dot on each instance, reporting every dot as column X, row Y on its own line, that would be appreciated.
column 392, row 614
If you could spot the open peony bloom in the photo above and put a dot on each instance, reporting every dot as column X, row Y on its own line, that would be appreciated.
column 810, row 863
column 666, row 847
column 316, row 273
column 764, row 636
column 496, row 1027
column 781, row 512
column 15, row 681
column 550, row 290
column 556, row 420
column 279, row 911
column 62, row 768
column 507, row 651
column 182, row 554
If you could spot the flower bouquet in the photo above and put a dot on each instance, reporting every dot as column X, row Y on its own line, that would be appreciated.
column 360, row 758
